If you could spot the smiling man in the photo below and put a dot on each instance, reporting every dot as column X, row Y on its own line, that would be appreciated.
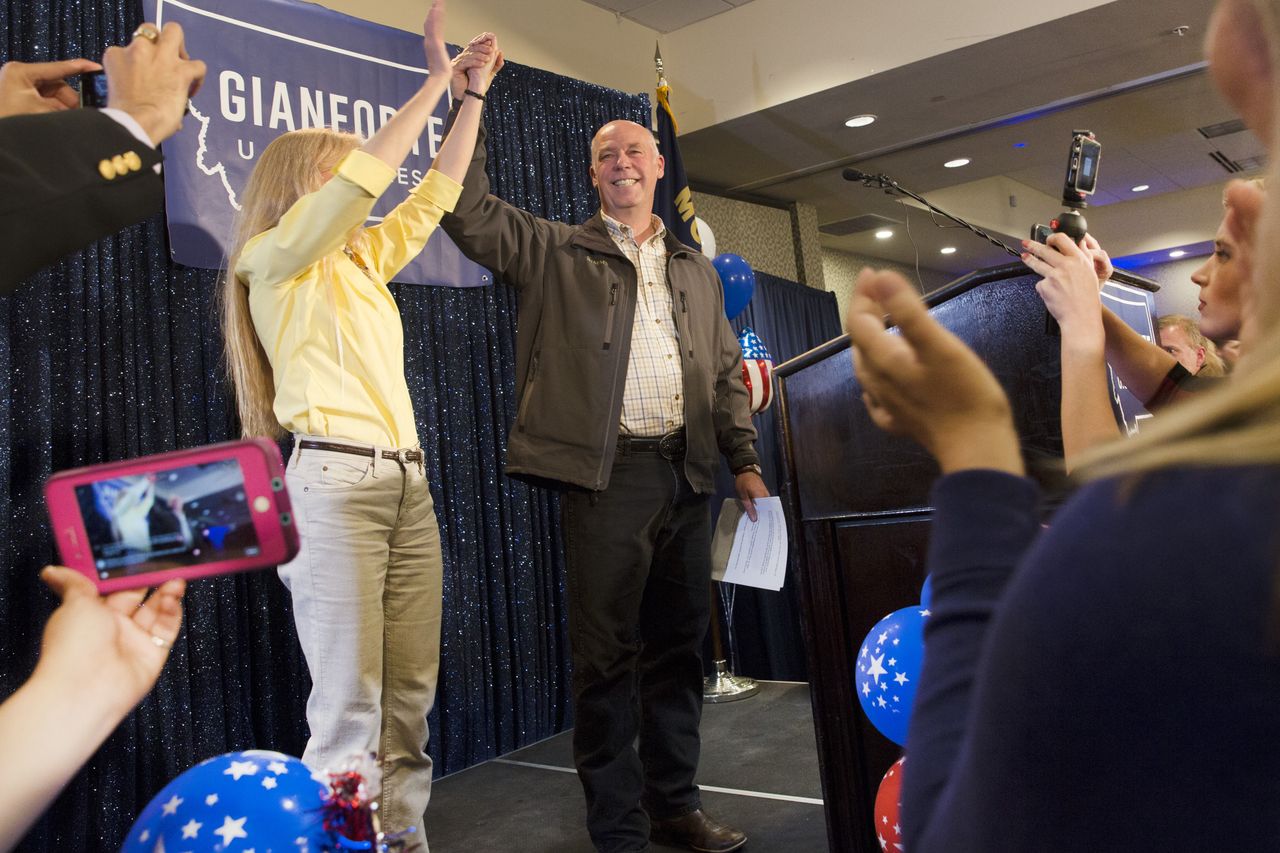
column 630, row 385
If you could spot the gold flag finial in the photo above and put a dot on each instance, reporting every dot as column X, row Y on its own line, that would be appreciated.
column 657, row 64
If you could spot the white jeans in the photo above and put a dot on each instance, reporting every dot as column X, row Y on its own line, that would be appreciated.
column 366, row 590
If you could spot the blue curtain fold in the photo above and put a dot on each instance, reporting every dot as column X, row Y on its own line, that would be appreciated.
column 115, row 352
column 790, row 319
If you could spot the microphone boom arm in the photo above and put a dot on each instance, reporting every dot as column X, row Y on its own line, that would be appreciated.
column 888, row 183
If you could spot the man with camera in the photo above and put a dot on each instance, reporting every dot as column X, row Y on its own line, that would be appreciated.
column 71, row 176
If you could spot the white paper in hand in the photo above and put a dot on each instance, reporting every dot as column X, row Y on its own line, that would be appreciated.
column 751, row 553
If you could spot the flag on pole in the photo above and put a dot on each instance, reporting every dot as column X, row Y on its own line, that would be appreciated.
column 672, row 200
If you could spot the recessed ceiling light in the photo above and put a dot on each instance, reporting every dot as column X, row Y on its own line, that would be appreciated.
column 1177, row 253
column 1141, row 188
column 884, row 235
column 957, row 163
column 860, row 121
column 948, row 250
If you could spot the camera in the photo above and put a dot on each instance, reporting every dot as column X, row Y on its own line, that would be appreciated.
column 1081, row 182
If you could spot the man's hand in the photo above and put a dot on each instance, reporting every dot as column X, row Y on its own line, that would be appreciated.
column 111, row 648
column 152, row 80
column 749, row 487
column 475, row 67
column 40, row 87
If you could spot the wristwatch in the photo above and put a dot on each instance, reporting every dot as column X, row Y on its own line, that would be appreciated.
column 753, row 468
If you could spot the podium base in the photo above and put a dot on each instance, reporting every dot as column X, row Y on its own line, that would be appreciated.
column 724, row 686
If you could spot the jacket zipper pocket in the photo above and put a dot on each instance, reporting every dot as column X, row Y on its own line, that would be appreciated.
column 684, row 309
column 608, row 321
column 528, row 392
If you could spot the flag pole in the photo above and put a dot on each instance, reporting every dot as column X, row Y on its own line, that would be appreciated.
column 723, row 685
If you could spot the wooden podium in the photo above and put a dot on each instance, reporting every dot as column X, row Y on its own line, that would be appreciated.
column 858, row 504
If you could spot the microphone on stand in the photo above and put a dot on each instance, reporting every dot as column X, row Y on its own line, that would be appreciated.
column 852, row 174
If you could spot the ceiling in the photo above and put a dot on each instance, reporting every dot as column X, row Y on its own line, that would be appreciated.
column 1009, row 104
column 667, row 16
column 762, row 90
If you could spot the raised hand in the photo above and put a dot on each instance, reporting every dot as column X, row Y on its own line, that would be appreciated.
column 1244, row 201
column 433, row 40
column 923, row 382
column 479, row 54
column 1101, row 260
column 1069, row 288
column 153, row 78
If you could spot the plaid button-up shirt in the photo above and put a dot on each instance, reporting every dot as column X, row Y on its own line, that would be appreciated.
column 653, row 399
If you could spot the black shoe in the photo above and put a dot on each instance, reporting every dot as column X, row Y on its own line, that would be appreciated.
column 696, row 831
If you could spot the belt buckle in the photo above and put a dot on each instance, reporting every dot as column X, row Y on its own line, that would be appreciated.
column 671, row 446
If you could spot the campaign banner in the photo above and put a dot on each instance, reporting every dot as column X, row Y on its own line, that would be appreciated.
column 281, row 65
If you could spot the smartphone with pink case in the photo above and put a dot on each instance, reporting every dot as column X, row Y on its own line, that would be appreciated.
column 185, row 514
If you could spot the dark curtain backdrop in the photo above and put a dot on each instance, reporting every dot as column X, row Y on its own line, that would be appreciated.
column 114, row 352
column 791, row 319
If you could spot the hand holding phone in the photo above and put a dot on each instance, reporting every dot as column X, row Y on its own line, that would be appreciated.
column 186, row 514
column 93, row 89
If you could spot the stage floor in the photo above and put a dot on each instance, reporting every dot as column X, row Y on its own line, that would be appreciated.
column 759, row 773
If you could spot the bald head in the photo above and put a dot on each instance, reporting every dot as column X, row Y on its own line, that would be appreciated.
column 621, row 128
column 625, row 168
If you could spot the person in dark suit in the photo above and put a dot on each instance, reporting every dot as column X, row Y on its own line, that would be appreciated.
column 71, row 176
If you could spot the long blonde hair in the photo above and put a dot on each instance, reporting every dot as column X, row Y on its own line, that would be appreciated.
column 1239, row 422
column 290, row 167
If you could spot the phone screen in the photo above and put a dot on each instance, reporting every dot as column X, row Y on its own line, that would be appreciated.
column 164, row 519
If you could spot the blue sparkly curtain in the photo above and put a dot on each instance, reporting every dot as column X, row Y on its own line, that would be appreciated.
column 114, row 352
column 791, row 319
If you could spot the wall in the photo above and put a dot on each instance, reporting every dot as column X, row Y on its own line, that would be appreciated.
column 779, row 241
column 841, row 268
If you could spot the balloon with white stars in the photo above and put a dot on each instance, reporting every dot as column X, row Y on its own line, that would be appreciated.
column 888, row 669
column 236, row 803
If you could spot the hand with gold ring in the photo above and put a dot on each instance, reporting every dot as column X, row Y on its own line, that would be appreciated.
column 147, row 31
column 152, row 78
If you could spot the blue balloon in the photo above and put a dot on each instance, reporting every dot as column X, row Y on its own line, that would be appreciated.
column 926, row 592
column 238, row 801
column 888, row 671
column 738, row 281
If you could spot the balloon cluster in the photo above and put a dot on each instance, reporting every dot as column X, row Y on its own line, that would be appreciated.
column 738, row 281
column 888, row 670
column 264, row 801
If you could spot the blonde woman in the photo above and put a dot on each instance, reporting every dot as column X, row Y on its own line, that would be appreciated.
column 1114, row 682
column 315, row 347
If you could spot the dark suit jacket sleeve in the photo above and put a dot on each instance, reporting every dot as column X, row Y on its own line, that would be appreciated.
column 55, row 196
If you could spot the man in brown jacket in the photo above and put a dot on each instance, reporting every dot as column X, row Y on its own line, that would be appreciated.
column 630, row 384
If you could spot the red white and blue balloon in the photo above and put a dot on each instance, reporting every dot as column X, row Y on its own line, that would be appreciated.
column 757, row 370
column 888, row 670
column 241, row 801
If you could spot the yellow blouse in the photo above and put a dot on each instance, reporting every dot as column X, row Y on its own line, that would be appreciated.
column 335, row 340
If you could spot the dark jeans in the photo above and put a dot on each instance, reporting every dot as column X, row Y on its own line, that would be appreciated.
column 638, row 558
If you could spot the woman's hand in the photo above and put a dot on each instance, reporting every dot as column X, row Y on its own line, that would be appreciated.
column 112, row 647
column 438, row 61
column 1069, row 288
column 923, row 382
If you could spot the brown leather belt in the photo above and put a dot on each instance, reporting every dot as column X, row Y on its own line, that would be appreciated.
column 671, row 446
column 370, row 452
